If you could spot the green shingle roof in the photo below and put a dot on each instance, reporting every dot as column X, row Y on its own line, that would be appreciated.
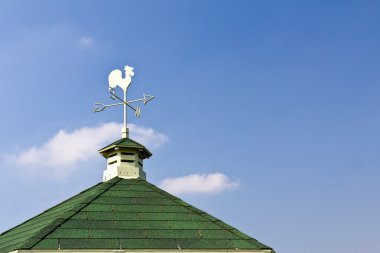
column 125, row 214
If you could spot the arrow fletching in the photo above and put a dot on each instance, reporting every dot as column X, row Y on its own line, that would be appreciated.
column 112, row 93
column 138, row 112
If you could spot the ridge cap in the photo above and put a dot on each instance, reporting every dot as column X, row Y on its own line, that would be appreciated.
column 75, row 212
column 209, row 217
column 61, row 219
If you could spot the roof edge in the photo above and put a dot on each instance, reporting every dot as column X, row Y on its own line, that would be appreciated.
column 139, row 251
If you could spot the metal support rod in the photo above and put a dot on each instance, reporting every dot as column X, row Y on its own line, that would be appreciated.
column 125, row 109
column 125, row 103
column 113, row 105
column 136, row 100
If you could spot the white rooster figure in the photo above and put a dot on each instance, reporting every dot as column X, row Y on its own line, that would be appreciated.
column 116, row 78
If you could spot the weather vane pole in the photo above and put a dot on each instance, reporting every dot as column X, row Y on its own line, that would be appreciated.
column 115, row 78
column 125, row 130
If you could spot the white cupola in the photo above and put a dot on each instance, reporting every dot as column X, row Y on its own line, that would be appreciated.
column 125, row 159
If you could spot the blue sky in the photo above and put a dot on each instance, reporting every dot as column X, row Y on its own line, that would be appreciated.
column 282, row 98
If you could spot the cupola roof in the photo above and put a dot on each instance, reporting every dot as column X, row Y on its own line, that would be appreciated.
column 125, row 143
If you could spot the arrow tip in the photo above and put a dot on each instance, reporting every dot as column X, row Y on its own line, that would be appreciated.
column 147, row 98
column 97, row 107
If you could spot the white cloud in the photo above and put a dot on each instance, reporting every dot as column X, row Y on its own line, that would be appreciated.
column 86, row 41
column 199, row 183
column 147, row 136
column 66, row 150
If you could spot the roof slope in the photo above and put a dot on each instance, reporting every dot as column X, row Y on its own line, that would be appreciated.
column 125, row 214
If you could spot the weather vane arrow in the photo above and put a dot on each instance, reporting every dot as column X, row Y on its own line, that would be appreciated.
column 115, row 78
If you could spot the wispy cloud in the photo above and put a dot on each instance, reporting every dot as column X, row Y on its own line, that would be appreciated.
column 33, row 46
column 199, row 183
column 86, row 41
column 66, row 150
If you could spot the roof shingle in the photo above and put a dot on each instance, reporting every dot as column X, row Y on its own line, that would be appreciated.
column 125, row 214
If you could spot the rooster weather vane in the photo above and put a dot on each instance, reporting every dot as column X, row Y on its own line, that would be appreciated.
column 115, row 78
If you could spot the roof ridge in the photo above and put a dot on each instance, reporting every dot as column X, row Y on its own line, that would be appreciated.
column 207, row 216
column 213, row 219
column 51, row 229
column 40, row 214
column 135, row 142
column 119, row 141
